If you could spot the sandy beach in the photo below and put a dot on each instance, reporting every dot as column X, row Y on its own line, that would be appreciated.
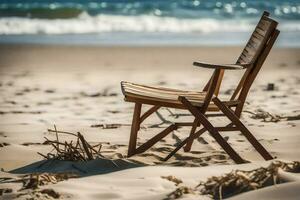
column 77, row 89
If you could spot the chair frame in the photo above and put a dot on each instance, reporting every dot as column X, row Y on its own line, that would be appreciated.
column 201, row 112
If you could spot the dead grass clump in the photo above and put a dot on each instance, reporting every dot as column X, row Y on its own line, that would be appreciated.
column 239, row 181
column 80, row 150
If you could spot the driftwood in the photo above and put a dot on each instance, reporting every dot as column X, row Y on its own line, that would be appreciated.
column 80, row 150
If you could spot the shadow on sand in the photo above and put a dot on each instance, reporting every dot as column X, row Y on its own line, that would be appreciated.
column 83, row 168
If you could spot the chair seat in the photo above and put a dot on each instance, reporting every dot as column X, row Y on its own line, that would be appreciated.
column 166, row 97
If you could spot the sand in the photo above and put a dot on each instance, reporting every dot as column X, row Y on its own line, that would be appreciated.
column 76, row 87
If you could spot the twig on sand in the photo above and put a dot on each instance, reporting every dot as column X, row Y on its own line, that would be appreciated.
column 80, row 150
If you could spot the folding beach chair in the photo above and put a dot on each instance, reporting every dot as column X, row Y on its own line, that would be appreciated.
column 206, row 104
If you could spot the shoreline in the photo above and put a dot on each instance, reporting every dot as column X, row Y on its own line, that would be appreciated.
column 76, row 57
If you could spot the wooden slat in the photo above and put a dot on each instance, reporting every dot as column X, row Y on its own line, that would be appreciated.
column 160, row 96
column 261, row 31
column 257, row 35
column 255, row 42
column 263, row 25
column 159, row 89
column 146, row 90
column 150, row 87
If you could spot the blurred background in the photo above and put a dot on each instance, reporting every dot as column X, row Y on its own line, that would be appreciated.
column 143, row 22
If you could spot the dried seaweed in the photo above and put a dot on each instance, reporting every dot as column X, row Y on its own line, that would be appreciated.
column 173, row 179
column 51, row 193
column 264, row 115
column 5, row 191
column 179, row 192
column 268, row 117
column 33, row 181
column 237, row 181
column 80, row 150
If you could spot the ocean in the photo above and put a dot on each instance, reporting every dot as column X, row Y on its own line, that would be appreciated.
column 143, row 22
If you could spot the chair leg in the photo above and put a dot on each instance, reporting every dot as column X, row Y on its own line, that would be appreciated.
column 230, row 114
column 189, row 143
column 212, row 130
column 135, row 126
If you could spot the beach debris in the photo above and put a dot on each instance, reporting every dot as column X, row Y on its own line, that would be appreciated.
column 51, row 193
column 264, row 115
column 3, row 144
column 105, row 93
column 179, row 192
column 172, row 179
column 106, row 126
column 292, row 118
column 38, row 194
column 33, row 181
column 268, row 117
column 238, row 181
column 270, row 87
column 20, row 112
column 80, row 150
column 49, row 91
column 5, row 191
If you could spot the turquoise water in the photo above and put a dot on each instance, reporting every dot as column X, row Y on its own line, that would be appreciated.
column 143, row 22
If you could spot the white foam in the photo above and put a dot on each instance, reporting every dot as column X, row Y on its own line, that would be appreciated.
column 111, row 23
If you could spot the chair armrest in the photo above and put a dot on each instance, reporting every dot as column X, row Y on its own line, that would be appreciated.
column 222, row 66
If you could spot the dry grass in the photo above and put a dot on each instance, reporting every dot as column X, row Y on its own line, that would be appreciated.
column 75, row 150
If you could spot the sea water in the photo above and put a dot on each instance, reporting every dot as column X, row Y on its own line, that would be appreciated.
column 143, row 22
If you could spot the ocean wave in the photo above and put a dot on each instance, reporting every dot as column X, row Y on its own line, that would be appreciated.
column 86, row 24
column 58, row 9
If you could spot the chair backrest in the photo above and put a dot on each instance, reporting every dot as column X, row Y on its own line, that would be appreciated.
column 256, row 51
column 257, row 41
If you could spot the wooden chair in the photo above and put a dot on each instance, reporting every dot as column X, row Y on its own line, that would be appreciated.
column 206, row 104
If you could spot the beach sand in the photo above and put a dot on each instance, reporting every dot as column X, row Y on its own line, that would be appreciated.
column 78, row 90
